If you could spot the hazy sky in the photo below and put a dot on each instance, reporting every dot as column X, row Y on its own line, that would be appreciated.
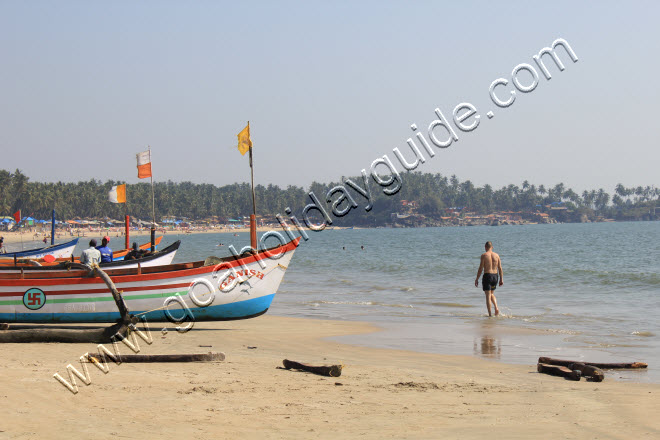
column 327, row 87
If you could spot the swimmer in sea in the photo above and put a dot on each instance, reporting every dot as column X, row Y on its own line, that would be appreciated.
column 491, row 265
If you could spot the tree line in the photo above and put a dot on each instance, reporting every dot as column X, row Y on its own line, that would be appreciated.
column 434, row 194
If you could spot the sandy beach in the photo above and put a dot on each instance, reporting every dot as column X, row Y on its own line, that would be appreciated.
column 381, row 393
column 11, row 237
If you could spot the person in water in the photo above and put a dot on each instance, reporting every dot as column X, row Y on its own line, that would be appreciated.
column 491, row 265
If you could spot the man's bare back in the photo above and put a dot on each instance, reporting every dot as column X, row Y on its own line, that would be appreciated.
column 490, row 261
column 491, row 266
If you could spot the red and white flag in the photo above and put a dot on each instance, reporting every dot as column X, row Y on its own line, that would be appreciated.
column 144, row 164
column 17, row 216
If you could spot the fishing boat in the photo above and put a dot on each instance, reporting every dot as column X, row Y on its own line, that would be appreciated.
column 159, row 258
column 62, row 250
column 216, row 289
column 119, row 255
column 51, row 260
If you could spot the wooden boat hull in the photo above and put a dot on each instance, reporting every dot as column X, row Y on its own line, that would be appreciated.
column 237, row 288
column 63, row 250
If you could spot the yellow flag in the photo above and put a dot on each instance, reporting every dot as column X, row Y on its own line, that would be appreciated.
column 244, row 141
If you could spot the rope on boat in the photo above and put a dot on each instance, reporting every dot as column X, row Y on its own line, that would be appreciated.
column 95, row 270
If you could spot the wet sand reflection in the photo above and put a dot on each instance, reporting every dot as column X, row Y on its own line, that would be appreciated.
column 488, row 346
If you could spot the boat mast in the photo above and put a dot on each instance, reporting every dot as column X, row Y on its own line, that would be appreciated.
column 153, row 209
column 253, row 217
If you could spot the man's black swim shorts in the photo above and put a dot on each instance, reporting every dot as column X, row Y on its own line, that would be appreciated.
column 489, row 281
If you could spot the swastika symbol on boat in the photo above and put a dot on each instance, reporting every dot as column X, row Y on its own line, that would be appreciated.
column 34, row 299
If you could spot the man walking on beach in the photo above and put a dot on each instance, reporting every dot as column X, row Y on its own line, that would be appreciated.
column 491, row 265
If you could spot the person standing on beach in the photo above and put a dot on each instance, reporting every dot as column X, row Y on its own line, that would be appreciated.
column 491, row 265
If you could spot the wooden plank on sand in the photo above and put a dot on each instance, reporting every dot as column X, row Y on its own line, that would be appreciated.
column 606, row 366
column 144, row 358
column 594, row 374
column 323, row 370
column 558, row 370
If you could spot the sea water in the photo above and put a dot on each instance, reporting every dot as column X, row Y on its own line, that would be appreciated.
column 580, row 291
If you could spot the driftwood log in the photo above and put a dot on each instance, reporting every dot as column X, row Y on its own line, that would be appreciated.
column 558, row 370
column 605, row 366
column 323, row 370
column 594, row 374
column 21, row 334
column 149, row 358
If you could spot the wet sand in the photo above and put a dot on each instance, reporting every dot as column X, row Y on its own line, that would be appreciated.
column 495, row 339
column 382, row 393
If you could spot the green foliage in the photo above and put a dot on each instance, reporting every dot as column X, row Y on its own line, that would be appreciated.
column 433, row 193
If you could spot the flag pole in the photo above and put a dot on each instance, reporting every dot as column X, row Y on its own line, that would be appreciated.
column 18, row 225
column 153, row 208
column 126, row 222
column 52, row 228
column 253, row 217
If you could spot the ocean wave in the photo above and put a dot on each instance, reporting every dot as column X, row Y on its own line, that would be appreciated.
column 613, row 277
column 563, row 331
column 450, row 304
column 644, row 334
column 360, row 303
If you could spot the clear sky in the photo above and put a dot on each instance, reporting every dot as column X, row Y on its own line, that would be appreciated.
column 327, row 87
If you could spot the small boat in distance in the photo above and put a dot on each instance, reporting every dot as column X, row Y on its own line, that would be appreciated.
column 117, row 256
column 158, row 258
column 62, row 250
